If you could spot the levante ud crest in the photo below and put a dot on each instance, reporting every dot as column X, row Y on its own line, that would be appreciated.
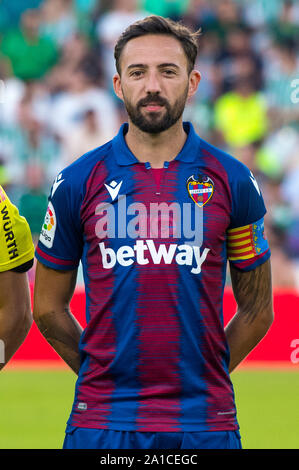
column 200, row 189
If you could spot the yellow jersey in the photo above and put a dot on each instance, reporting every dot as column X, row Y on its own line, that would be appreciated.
column 16, row 245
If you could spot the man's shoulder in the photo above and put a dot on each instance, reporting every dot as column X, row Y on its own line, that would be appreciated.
column 79, row 170
column 230, row 163
column 71, row 182
column 6, row 204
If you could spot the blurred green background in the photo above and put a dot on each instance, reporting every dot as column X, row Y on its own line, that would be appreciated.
column 35, row 406
column 57, row 102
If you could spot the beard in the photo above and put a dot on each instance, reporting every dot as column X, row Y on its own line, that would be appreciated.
column 156, row 122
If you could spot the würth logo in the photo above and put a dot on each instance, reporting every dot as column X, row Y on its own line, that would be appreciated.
column 11, row 243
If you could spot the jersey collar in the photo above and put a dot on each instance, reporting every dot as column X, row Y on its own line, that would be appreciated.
column 125, row 157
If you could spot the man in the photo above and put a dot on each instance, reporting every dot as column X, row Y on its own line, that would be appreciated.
column 16, row 258
column 153, row 215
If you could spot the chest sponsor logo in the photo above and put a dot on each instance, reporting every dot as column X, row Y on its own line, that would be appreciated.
column 49, row 227
column 146, row 251
column 200, row 189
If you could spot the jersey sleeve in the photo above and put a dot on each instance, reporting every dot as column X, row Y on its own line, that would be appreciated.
column 60, row 242
column 247, row 246
column 16, row 245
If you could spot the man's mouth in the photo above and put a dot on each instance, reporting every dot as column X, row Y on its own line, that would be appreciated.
column 153, row 107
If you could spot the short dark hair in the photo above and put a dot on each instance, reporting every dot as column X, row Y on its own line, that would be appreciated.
column 155, row 24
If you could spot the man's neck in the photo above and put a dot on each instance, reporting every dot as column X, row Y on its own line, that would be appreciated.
column 156, row 148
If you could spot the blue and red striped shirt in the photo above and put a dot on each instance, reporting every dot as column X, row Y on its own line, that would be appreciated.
column 154, row 247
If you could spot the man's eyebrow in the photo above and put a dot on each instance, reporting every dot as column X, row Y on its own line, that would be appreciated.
column 133, row 66
column 169, row 64
column 166, row 64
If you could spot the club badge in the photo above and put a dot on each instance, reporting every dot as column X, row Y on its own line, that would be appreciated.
column 200, row 189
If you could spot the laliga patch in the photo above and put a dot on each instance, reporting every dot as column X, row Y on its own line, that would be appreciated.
column 200, row 189
column 49, row 227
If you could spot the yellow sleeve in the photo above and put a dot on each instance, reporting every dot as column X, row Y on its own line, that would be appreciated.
column 16, row 246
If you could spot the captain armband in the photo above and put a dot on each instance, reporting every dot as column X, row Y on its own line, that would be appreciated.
column 247, row 246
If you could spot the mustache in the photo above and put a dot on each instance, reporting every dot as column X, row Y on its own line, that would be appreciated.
column 153, row 99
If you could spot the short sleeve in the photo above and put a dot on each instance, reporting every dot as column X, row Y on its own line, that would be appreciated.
column 247, row 246
column 60, row 242
column 247, row 200
column 16, row 245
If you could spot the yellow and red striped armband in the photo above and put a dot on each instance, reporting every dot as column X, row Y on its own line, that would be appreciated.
column 244, row 243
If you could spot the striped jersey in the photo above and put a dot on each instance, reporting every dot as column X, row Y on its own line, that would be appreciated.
column 154, row 246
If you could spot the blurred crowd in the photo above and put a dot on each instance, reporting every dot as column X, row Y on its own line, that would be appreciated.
column 57, row 101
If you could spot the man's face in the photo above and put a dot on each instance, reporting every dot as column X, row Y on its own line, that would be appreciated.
column 154, row 82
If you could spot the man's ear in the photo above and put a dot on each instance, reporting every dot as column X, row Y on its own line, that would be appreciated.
column 117, row 86
column 194, row 81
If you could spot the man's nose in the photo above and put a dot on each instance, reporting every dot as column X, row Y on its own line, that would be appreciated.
column 152, row 83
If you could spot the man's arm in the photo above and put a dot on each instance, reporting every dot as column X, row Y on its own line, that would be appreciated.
column 15, row 313
column 52, row 295
column 253, row 294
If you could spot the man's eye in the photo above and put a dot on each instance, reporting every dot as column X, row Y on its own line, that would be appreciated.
column 169, row 72
column 136, row 73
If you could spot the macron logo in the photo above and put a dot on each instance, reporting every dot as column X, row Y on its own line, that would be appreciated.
column 255, row 183
column 56, row 183
column 113, row 189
